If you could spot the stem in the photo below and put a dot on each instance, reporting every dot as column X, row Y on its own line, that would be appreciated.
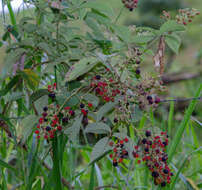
column 119, row 15
column 11, row 13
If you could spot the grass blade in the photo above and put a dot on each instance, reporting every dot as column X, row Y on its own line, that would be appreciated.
column 170, row 117
column 92, row 178
column 180, row 131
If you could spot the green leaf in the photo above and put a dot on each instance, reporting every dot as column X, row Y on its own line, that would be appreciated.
column 6, row 165
column 100, row 148
column 171, row 26
column 183, row 124
column 98, row 128
column 100, row 7
column 105, row 109
column 142, row 39
column 41, row 103
column 26, row 126
column 38, row 94
column 92, row 99
column 73, row 131
column 123, row 32
column 173, row 42
column 31, row 78
column 80, row 68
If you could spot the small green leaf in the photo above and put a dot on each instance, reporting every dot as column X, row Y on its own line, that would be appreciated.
column 73, row 131
column 105, row 109
column 100, row 148
column 80, row 68
column 174, row 42
column 6, row 165
column 171, row 26
column 98, row 128
column 92, row 99
column 142, row 39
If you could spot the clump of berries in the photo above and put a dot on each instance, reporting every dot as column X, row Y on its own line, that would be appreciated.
column 119, row 151
column 105, row 88
column 52, row 91
column 152, row 151
column 130, row 4
column 186, row 16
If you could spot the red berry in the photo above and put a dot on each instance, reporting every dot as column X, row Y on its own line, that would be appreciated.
column 90, row 105
column 59, row 128
column 37, row 132
column 126, row 139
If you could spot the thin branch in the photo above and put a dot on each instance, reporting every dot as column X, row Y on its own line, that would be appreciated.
column 106, row 186
column 182, row 99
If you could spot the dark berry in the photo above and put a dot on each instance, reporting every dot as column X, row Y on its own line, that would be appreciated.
column 155, row 174
column 165, row 143
column 97, row 90
column 164, row 159
column 52, row 95
column 151, row 102
column 65, row 120
column 115, row 120
column 149, row 97
column 171, row 174
column 48, row 128
column 165, row 171
column 45, row 119
column 144, row 141
column 82, row 105
column 146, row 150
column 137, row 71
column 45, row 109
column 98, row 77
column 149, row 142
column 44, row 114
column 163, row 184
column 115, row 164
column 131, row 9
column 148, row 133
column 138, row 62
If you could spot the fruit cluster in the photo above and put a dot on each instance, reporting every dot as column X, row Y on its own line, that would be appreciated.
column 152, row 151
column 54, row 118
column 119, row 151
column 186, row 15
column 130, row 4
column 105, row 88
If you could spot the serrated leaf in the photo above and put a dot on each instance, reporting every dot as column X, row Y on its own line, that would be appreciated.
column 105, row 109
column 98, row 128
column 100, row 148
column 80, row 68
column 171, row 26
column 174, row 42
column 73, row 131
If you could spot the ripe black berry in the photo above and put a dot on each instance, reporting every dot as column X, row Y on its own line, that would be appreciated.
column 144, row 141
column 51, row 95
column 65, row 120
column 115, row 120
column 146, row 150
column 163, row 184
column 155, row 174
column 138, row 62
column 45, row 109
column 148, row 133
column 115, row 163
column 131, row 9
column 165, row 143
column 45, row 119
column 149, row 97
column 164, row 159
column 165, row 171
column 48, row 128
column 82, row 105
column 137, row 71
column 98, row 77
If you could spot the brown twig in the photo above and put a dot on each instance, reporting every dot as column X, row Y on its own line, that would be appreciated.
column 177, row 77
